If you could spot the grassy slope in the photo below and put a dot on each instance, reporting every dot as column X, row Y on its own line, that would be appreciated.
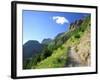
column 59, row 56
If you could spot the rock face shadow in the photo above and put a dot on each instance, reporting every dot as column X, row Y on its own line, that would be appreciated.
column 74, row 59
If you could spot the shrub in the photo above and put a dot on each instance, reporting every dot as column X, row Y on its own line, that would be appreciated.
column 77, row 36
column 59, row 60
column 61, row 47
column 38, row 59
column 26, row 64
column 46, row 53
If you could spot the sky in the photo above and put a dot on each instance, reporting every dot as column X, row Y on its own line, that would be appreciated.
column 39, row 25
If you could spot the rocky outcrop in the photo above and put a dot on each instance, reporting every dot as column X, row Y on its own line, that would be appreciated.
column 79, row 55
column 75, row 24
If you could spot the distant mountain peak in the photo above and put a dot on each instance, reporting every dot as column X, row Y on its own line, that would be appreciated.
column 31, row 48
column 32, row 41
column 46, row 41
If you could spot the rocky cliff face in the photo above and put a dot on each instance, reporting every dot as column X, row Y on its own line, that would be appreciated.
column 75, row 24
column 84, row 47
column 79, row 55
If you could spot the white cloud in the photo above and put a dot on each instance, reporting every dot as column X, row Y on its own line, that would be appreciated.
column 60, row 19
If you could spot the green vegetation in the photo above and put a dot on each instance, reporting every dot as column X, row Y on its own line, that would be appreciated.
column 54, row 55
column 77, row 36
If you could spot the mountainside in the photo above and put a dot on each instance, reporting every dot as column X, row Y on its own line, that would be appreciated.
column 47, row 41
column 68, row 49
column 31, row 48
column 79, row 53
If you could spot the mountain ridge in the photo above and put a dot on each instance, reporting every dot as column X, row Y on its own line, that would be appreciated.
column 58, row 48
column 30, row 48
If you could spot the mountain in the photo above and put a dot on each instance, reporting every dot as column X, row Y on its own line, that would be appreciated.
column 75, row 24
column 60, row 34
column 67, row 49
column 46, row 41
column 31, row 48
column 72, row 47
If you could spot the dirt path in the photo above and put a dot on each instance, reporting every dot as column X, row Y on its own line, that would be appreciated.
column 73, row 59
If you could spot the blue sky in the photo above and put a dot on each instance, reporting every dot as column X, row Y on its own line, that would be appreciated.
column 38, row 25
